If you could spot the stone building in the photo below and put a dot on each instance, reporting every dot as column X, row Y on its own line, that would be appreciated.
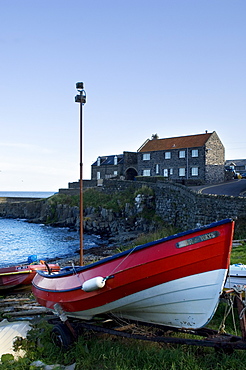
column 123, row 166
column 237, row 165
column 193, row 157
column 198, row 157
column 107, row 167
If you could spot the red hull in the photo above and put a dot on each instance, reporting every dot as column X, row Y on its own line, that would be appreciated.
column 140, row 269
column 13, row 276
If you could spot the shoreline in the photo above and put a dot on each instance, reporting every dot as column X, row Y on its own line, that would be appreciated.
column 90, row 255
column 103, row 250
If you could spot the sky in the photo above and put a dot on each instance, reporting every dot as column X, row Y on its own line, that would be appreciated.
column 171, row 67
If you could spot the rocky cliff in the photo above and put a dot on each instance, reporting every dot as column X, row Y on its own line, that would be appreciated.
column 126, row 223
column 167, row 203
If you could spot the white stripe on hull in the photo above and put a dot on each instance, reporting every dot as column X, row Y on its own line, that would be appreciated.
column 189, row 302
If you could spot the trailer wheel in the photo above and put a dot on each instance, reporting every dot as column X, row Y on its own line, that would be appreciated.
column 61, row 336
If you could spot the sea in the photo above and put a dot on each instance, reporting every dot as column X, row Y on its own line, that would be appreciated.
column 26, row 194
column 20, row 239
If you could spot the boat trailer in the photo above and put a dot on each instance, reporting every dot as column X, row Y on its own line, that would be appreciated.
column 66, row 331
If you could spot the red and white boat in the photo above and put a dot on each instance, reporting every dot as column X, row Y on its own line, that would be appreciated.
column 236, row 276
column 175, row 281
column 15, row 276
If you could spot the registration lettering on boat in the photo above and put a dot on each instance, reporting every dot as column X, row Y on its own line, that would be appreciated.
column 198, row 239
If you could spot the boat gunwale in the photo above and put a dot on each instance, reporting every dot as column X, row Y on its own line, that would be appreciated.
column 77, row 269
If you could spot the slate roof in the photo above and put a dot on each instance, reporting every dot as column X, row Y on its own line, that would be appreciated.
column 109, row 159
column 236, row 162
column 180, row 142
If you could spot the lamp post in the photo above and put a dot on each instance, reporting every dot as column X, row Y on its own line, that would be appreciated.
column 81, row 99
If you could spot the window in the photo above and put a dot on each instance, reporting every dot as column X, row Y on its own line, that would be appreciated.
column 181, row 172
column 115, row 160
column 194, row 171
column 146, row 172
column 157, row 168
column 165, row 172
column 146, row 156
column 98, row 175
column 115, row 173
column 167, row 155
column 182, row 154
column 171, row 171
column 194, row 153
column 98, row 161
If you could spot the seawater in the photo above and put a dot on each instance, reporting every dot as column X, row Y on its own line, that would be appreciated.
column 20, row 239
column 26, row 194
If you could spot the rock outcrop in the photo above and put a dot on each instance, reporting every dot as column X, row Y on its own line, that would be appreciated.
column 127, row 223
column 166, row 204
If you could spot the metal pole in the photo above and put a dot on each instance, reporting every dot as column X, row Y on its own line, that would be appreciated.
column 81, row 183
column 81, row 98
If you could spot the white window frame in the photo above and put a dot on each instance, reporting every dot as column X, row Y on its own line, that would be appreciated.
column 115, row 160
column 171, row 171
column 194, row 153
column 194, row 171
column 167, row 155
column 165, row 172
column 98, row 161
column 182, row 154
column 115, row 173
column 146, row 156
column 157, row 168
column 98, row 175
column 182, row 172
column 146, row 172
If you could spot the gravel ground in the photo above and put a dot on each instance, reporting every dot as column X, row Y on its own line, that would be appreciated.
column 90, row 255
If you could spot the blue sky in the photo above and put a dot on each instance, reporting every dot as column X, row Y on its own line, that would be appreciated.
column 171, row 67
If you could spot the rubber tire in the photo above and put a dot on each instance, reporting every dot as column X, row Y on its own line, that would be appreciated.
column 61, row 336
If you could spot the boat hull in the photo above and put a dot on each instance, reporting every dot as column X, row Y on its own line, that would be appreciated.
column 236, row 275
column 175, row 281
column 189, row 302
column 13, row 276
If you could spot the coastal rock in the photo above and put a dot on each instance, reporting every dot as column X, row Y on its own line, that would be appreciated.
column 101, row 221
column 167, row 203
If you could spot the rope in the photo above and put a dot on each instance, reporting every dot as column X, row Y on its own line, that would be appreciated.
column 242, row 313
column 228, row 309
column 123, row 259
column 234, row 322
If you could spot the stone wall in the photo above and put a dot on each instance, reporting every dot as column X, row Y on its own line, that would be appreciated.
column 180, row 206
column 186, row 209
column 175, row 204
column 215, row 160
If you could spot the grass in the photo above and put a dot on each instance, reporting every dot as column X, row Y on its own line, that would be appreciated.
column 238, row 254
column 71, row 200
column 100, row 351
column 115, row 201
column 146, row 238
